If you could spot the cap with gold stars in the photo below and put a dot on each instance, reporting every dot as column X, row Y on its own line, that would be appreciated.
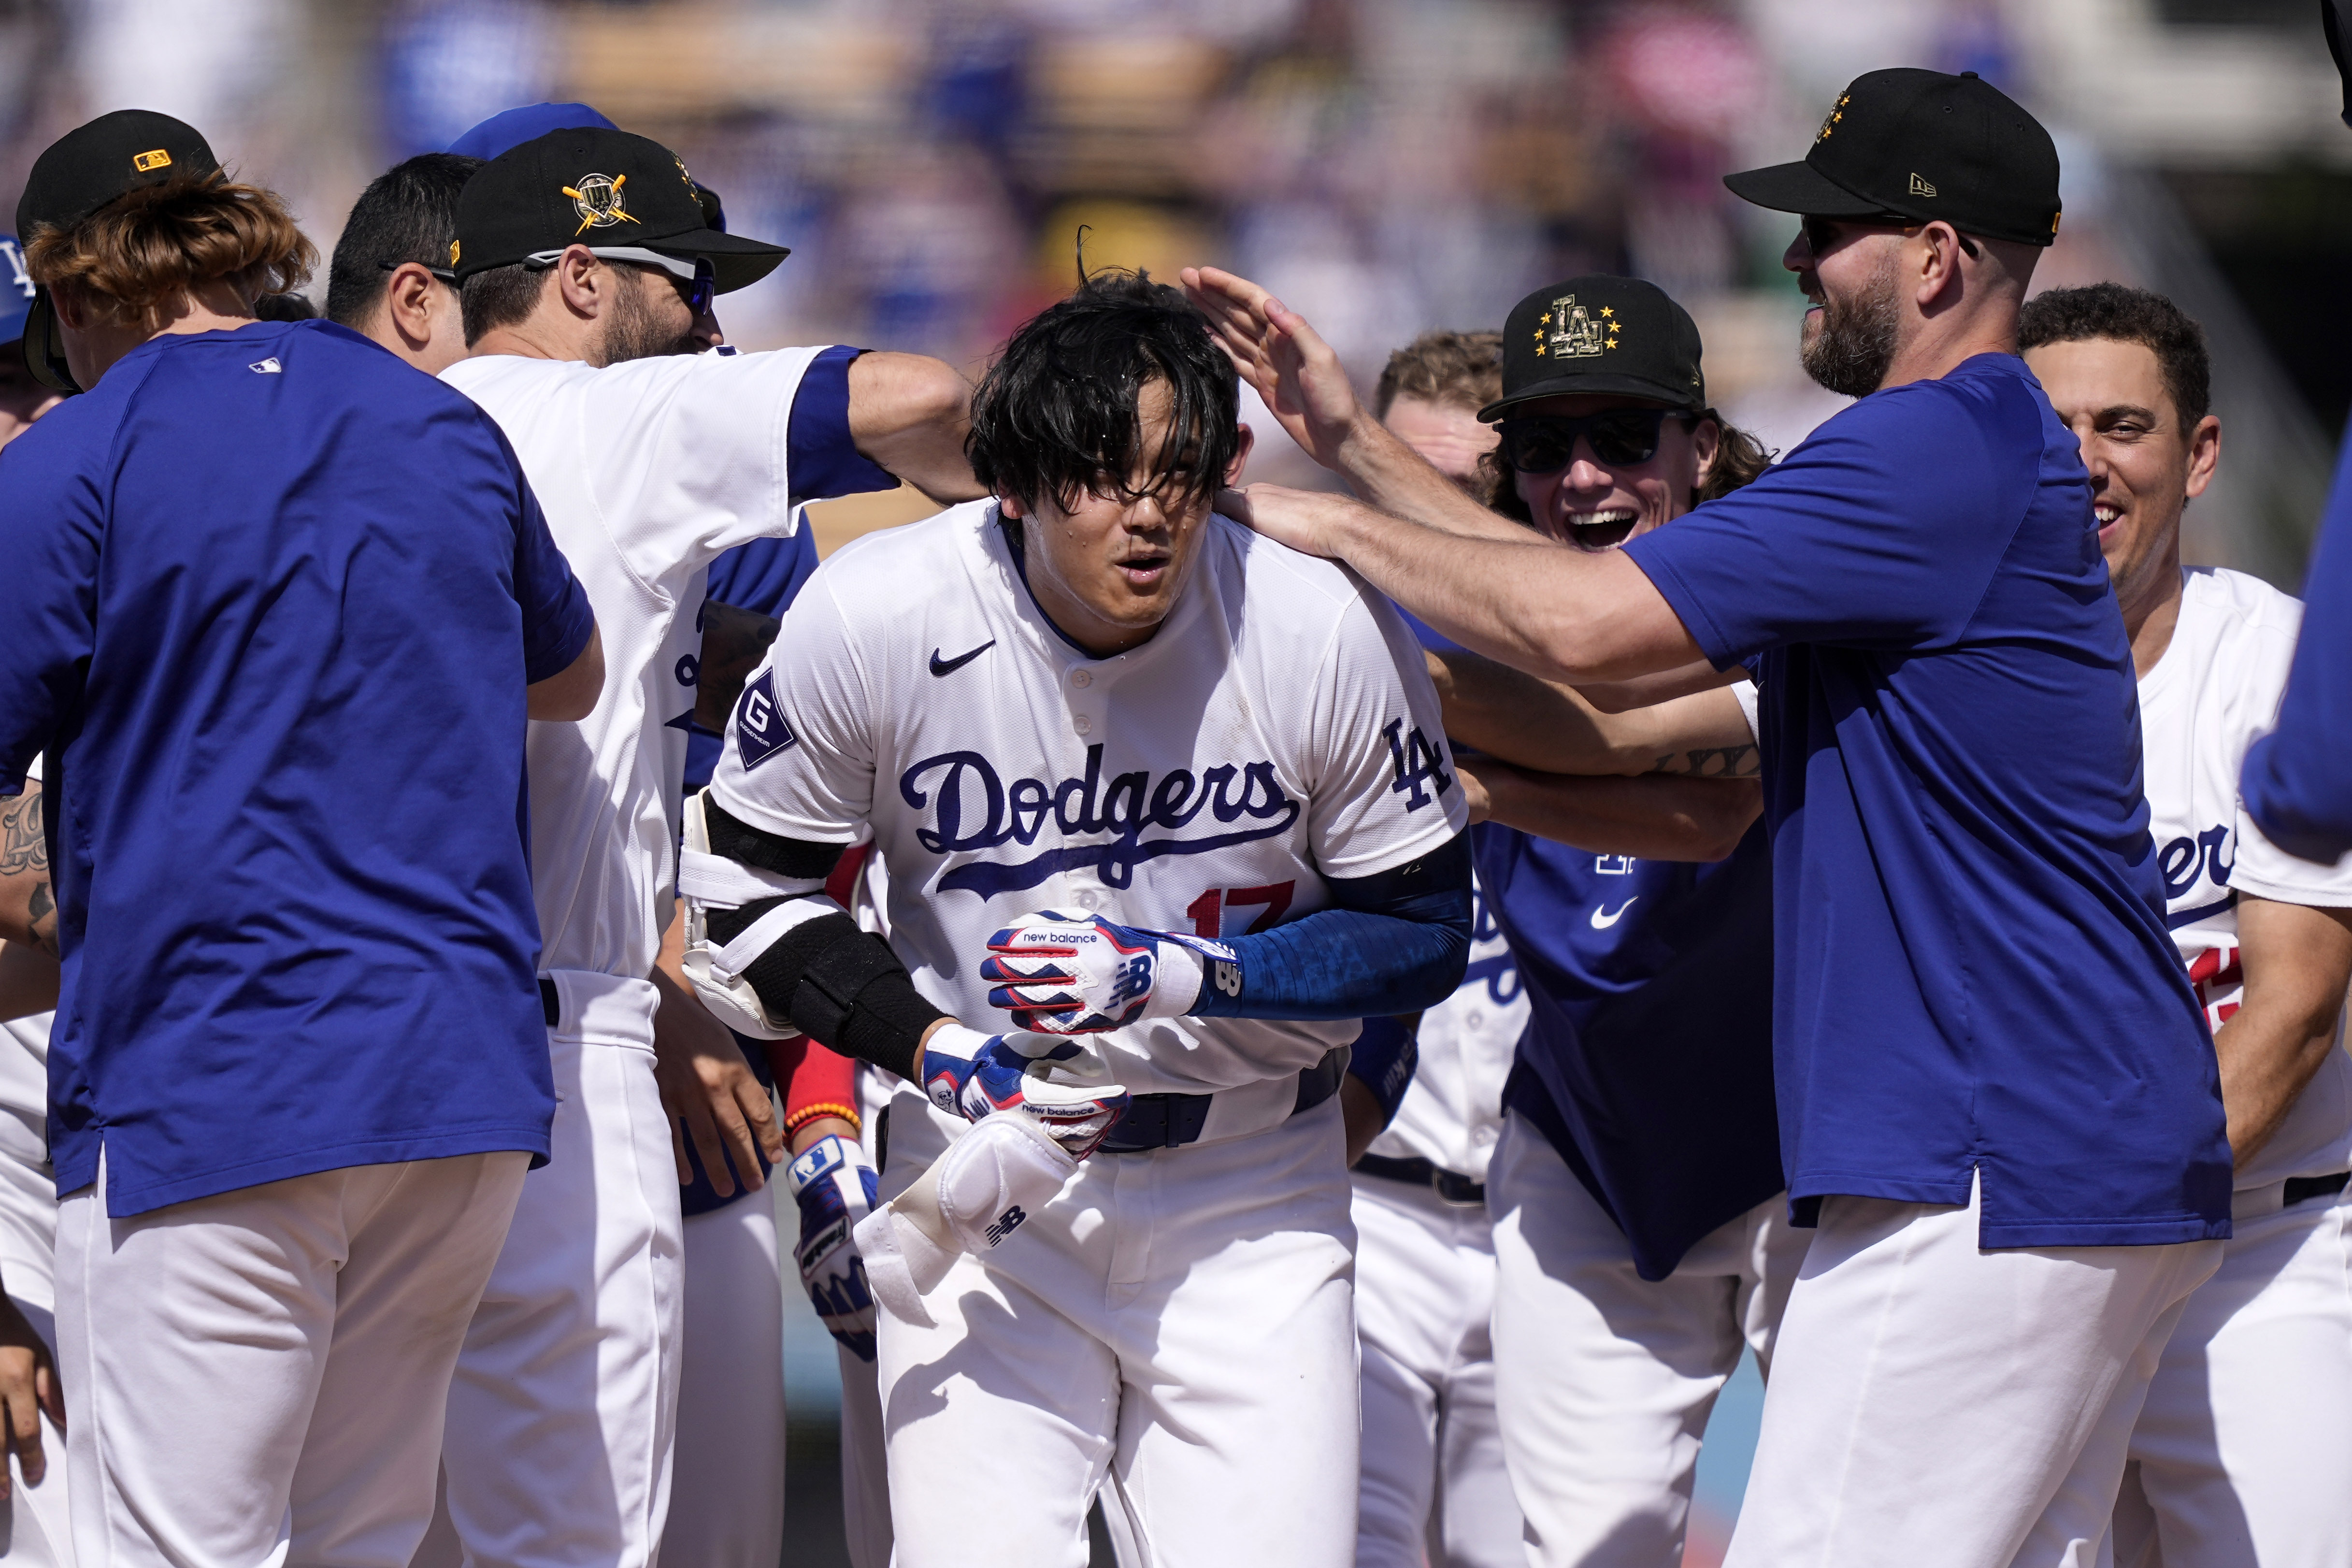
column 1913, row 146
column 1599, row 334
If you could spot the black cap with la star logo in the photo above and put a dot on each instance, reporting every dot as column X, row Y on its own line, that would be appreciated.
column 1917, row 145
column 1617, row 336
column 605, row 189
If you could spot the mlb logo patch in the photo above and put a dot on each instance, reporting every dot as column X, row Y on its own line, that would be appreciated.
column 760, row 728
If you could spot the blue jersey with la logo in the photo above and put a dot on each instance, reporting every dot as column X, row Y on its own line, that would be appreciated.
column 1277, row 734
column 275, row 597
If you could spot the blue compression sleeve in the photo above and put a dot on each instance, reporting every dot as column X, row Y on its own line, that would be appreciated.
column 1385, row 1057
column 1399, row 941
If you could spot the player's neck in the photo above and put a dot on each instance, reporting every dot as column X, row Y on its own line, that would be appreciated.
column 539, row 335
column 2154, row 612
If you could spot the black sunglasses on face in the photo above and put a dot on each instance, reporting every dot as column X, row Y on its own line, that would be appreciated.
column 1621, row 438
column 1822, row 233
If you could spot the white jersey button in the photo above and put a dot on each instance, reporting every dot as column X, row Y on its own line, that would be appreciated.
column 1082, row 725
column 1082, row 678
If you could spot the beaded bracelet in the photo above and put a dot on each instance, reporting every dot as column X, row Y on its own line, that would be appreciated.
column 819, row 1110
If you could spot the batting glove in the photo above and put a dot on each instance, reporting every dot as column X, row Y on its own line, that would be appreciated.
column 1080, row 974
column 1060, row 1084
column 834, row 1186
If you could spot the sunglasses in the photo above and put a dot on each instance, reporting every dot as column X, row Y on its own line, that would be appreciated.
column 1822, row 234
column 443, row 273
column 1620, row 437
column 699, row 291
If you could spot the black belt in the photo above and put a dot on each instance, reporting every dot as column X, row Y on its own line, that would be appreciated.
column 2303, row 1189
column 550, row 1001
column 1172, row 1120
column 1455, row 1188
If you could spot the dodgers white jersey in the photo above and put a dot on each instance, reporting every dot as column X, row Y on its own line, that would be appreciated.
column 647, row 471
column 1452, row 1114
column 1280, row 729
column 2212, row 694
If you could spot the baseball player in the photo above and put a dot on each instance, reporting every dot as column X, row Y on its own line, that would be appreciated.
column 1135, row 775
column 39, row 1521
column 1433, row 1486
column 1997, row 1098
column 277, row 601
column 587, row 268
column 389, row 278
column 2247, row 1431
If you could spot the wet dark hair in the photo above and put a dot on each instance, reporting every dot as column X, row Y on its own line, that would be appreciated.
column 2129, row 316
column 409, row 213
column 1740, row 459
column 1055, row 416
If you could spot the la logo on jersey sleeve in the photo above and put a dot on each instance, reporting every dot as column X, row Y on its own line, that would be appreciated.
column 760, row 728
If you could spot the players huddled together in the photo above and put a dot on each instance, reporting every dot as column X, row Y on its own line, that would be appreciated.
column 1314, row 1028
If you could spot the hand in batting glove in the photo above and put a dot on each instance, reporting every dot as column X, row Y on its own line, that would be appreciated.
column 834, row 1186
column 1062, row 1086
column 1080, row 974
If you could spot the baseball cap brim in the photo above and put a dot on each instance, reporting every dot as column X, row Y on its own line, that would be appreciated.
column 1587, row 385
column 1800, row 188
column 736, row 261
column 45, row 351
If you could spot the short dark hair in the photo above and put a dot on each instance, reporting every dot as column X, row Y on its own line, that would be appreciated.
column 500, row 297
column 2128, row 315
column 1451, row 370
column 409, row 214
column 1056, row 415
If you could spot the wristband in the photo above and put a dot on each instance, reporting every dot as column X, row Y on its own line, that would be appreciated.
column 818, row 1111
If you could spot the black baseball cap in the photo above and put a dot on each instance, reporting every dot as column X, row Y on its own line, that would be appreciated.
column 605, row 189
column 1600, row 334
column 81, row 172
column 1921, row 145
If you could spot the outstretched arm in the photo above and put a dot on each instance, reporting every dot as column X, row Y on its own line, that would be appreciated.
column 1552, row 728
column 1476, row 577
column 1653, row 818
column 909, row 413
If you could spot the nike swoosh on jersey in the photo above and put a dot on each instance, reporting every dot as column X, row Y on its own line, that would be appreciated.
column 1603, row 918
column 950, row 666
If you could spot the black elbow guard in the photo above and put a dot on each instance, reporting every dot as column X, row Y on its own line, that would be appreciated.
column 838, row 984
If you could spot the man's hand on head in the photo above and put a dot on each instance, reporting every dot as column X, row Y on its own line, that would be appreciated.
column 1291, row 368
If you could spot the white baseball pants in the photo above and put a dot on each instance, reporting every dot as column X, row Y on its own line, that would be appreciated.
column 1943, row 1406
column 256, row 1379
column 38, row 1528
column 1605, row 1380
column 1180, row 1322
column 727, row 1500
column 1433, row 1487
column 2243, row 1455
column 864, row 1465
column 564, row 1410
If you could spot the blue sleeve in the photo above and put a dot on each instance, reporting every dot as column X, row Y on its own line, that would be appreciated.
column 1398, row 942
column 819, row 454
column 2297, row 784
column 556, row 615
column 51, row 519
column 766, row 575
column 1881, row 531
column 1384, row 1059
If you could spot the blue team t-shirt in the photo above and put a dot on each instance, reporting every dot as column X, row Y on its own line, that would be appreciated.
column 274, row 598
column 1972, row 973
column 2297, row 781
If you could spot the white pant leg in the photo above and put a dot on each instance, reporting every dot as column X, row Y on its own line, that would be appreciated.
column 563, row 1411
column 37, row 1532
column 726, row 1499
column 256, row 1378
column 1182, row 1319
column 1604, row 1380
column 1434, row 1486
column 1942, row 1407
column 864, row 1465
column 2243, row 1448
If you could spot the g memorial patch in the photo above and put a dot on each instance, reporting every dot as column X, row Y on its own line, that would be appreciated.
column 760, row 728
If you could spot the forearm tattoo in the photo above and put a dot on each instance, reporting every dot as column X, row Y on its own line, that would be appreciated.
column 1713, row 762
column 734, row 641
column 25, row 864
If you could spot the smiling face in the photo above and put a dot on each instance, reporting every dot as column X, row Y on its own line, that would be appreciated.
column 2144, row 466
column 1108, row 570
column 1596, row 506
column 1450, row 436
